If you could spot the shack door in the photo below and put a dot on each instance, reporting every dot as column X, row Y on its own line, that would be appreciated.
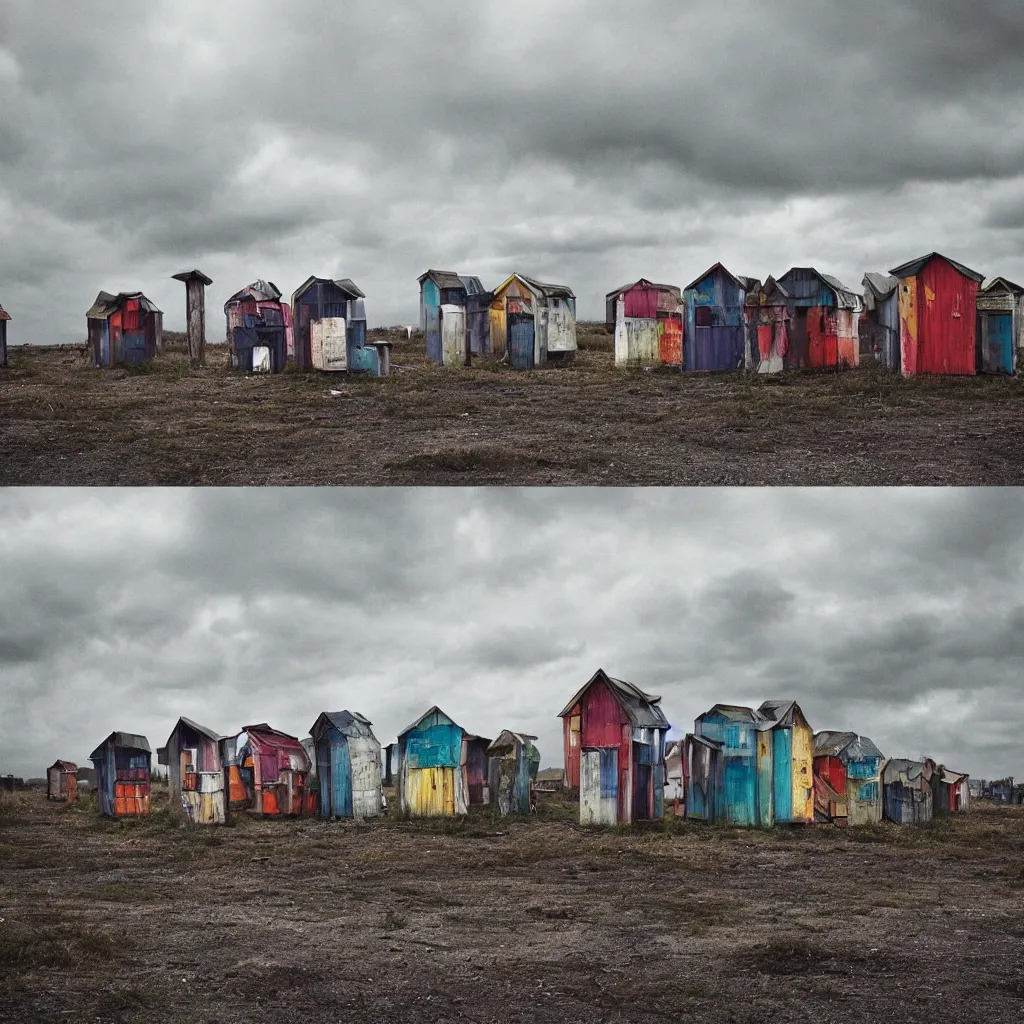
column 670, row 341
column 328, row 344
column 134, row 349
column 432, row 331
column 453, row 335
column 642, row 792
column 521, row 341
column 997, row 344
column 323, row 775
column 796, row 357
column 782, row 761
column 599, row 786
column 341, row 771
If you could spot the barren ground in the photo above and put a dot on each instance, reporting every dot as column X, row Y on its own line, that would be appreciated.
column 529, row 921
column 64, row 423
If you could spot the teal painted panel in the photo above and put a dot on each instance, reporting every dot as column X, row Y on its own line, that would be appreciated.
column 435, row 746
column 782, row 759
column 341, row 776
column 431, row 294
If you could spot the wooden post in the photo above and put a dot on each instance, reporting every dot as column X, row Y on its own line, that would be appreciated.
column 195, row 313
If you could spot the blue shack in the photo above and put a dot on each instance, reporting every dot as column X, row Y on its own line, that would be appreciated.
column 329, row 320
column 455, row 317
column 715, row 321
column 123, row 762
column 348, row 766
column 738, row 749
column 432, row 754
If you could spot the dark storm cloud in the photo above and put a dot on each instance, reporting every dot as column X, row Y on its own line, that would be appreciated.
column 127, row 609
column 567, row 139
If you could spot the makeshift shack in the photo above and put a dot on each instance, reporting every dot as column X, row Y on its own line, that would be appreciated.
column 907, row 791
column 124, row 330
column 195, row 774
column 513, row 765
column 938, row 300
column 847, row 779
column 454, row 317
column 348, row 766
column 123, row 762
column 824, row 320
column 614, row 737
column 62, row 782
column 533, row 324
column 1000, row 326
column 432, row 767
column 766, row 342
column 715, row 321
column 274, row 770
column 260, row 336
column 951, row 791
column 647, row 321
column 792, row 746
column 550, row 780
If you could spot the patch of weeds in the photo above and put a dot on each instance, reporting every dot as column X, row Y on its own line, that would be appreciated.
column 394, row 922
column 25, row 947
column 787, row 956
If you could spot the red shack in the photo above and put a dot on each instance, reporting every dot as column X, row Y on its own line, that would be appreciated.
column 647, row 321
column 938, row 301
column 614, row 737
column 280, row 770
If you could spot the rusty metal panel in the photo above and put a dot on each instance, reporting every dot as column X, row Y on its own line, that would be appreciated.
column 670, row 340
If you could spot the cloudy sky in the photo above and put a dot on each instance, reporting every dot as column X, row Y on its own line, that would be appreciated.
column 895, row 614
column 579, row 140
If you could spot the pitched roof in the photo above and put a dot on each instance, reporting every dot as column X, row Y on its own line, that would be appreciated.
column 881, row 284
column 991, row 284
column 106, row 304
column 508, row 740
column 641, row 708
column 4, row 315
column 348, row 723
column 191, row 275
column 260, row 291
column 347, row 285
column 914, row 267
column 65, row 766
column 443, row 278
column 644, row 283
column 547, row 291
column 473, row 285
column 738, row 281
column 846, row 297
column 267, row 737
column 780, row 712
column 733, row 712
column 551, row 775
column 435, row 710
column 127, row 740
column 847, row 745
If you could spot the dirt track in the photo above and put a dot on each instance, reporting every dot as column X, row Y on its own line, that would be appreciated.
column 62, row 423
column 527, row 922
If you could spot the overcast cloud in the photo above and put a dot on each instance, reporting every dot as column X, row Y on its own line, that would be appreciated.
column 895, row 614
column 587, row 141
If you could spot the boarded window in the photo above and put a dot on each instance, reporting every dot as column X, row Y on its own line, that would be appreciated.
column 703, row 316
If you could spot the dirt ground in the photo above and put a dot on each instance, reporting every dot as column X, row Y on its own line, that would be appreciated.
column 528, row 921
column 62, row 423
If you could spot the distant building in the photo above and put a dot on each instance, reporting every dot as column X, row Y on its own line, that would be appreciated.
column 124, row 330
column 550, row 780
column 62, row 782
column 614, row 736
column 907, row 791
column 4, row 320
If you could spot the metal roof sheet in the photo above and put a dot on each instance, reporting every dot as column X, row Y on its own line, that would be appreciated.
column 781, row 712
column 348, row 723
column 644, row 283
column 4, row 315
column 881, row 284
column 127, row 740
column 435, row 710
column 551, row 775
column 914, row 267
column 266, row 736
column 707, row 273
column 260, row 291
column 473, row 285
column 443, row 278
column 733, row 712
column 65, row 766
column 508, row 740
column 347, row 285
column 829, row 743
column 550, row 291
column 641, row 708
column 210, row 734
column 991, row 284
column 846, row 297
